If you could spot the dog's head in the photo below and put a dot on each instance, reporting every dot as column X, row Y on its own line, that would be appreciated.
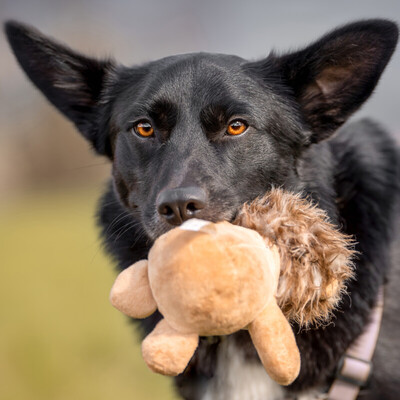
column 200, row 134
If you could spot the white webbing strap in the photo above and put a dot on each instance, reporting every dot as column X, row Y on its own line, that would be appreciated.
column 355, row 368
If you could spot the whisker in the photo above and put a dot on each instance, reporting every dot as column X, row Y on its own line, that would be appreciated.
column 140, row 235
column 124, row 229
column 109, row 203
column 118, row 218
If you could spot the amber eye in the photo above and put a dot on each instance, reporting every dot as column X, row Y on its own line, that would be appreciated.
column 237, row 127
column 144, row 129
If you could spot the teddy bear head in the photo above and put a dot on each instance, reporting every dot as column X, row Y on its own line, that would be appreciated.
column 212, row 279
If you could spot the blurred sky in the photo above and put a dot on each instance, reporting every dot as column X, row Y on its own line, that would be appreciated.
column 37, row 145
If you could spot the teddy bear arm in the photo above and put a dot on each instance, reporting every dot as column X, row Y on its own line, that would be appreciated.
column 276, row 345
column 131, row 292
column 167, row 351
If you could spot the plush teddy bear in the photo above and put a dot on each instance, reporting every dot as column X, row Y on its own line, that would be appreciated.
column 217, row 278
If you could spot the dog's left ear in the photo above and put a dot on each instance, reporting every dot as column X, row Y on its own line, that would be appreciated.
column 332, row 77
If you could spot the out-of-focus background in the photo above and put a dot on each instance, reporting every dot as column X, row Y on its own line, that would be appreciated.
column 59, row 337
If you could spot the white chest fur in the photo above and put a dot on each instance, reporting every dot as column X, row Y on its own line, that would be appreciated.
column 237, row 378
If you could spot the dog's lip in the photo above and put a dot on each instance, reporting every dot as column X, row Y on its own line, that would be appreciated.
column 162, row 227
column 156, row 226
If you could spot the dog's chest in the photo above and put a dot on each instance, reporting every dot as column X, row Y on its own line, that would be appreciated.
column 237, row 378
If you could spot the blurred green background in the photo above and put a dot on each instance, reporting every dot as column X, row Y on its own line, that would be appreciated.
column 59, row 336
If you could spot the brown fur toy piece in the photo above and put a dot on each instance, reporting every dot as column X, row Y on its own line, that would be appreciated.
column 316, row 258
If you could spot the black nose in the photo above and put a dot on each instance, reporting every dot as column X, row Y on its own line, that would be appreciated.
column 179, row 204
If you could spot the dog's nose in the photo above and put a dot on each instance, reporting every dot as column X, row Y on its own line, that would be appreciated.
column 179, row 204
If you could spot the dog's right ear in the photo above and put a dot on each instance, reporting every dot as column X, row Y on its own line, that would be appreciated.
column 72, row 82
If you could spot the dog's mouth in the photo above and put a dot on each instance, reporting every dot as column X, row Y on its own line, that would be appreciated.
column 156, row 227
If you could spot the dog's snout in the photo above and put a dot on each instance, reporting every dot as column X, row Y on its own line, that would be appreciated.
column 179, row 204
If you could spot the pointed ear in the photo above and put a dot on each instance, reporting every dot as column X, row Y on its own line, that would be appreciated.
column 72, row 82
column 332, row 77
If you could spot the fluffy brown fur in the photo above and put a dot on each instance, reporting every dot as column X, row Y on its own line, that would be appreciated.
column 315, row 256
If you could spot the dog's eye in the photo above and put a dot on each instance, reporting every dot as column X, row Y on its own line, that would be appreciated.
column 236, row 127
column 143, row 128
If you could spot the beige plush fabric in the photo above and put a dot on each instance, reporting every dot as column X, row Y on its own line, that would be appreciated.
column 275, row 343
column 168, row 351
column 131, row 293
column 213, row 281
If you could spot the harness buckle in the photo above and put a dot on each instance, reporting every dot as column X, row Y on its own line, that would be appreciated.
column 354, row 370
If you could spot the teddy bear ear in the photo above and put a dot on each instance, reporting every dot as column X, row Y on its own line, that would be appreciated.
column 316, row 258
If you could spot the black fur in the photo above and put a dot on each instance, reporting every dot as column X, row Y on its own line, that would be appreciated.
column 291, row 104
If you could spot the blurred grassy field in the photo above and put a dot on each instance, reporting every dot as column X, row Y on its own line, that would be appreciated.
column 60, row 338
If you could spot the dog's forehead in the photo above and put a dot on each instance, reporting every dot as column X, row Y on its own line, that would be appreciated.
column 194, row 76
column 177, row 78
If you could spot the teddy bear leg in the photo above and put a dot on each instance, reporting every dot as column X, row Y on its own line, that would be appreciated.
column 168, row 351
column 276, row 345
column 131, row 293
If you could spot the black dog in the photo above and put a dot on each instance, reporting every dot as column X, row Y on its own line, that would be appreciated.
column 201, row 134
